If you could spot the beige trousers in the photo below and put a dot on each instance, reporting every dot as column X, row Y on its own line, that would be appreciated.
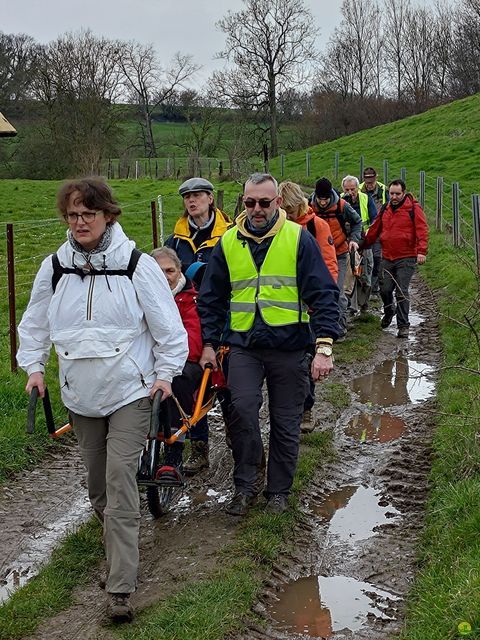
column 110, row 448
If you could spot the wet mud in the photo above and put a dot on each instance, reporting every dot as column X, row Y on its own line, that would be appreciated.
column 354, row 558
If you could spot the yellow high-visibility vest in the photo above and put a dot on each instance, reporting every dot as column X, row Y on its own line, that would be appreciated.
column 274, row 289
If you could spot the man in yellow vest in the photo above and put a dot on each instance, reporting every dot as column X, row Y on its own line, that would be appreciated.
column 260, row 280
column 365, row 207
column 379, row 193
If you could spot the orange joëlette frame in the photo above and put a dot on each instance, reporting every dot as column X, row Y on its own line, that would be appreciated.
column 200, row 409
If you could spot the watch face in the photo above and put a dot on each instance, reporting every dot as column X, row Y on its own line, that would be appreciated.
column 326, row 351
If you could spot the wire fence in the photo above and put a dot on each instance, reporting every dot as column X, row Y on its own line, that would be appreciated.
column 455, row 213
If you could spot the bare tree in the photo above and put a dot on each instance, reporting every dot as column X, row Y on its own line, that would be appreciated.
column 149, row 84
column 78, row 82
column 465, row 53
column 395, row 30
column 419, row 60
column 360, row 21
column 270, row 42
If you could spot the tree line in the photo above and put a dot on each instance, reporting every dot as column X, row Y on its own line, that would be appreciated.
column 382, row 62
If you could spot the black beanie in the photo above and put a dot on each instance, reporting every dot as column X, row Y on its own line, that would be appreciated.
column 323, row 188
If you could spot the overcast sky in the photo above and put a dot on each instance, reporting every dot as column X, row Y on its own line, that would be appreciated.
column 171, row 25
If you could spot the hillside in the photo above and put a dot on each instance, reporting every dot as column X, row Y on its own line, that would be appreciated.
column 444, row 141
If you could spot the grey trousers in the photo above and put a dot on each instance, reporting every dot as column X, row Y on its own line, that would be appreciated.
column 110, row 448
column 362, row 289
column 286, row 373
column 396, row 276
column 342, row 300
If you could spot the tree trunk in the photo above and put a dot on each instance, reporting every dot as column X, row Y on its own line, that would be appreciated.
column 272, row 107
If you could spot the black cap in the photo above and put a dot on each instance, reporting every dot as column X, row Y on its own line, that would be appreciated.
column 323, row 188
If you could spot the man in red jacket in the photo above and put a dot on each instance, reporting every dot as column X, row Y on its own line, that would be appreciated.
column 402, row 229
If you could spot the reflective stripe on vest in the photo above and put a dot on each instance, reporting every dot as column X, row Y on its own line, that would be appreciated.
column 274, row 290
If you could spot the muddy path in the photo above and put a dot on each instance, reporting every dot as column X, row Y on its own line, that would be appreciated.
column 353, row 561
column 354, row 557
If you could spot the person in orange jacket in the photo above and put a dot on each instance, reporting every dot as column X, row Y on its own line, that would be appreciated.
column 296, row 206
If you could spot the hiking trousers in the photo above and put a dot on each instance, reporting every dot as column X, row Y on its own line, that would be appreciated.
column 286, row 375
column 395, row 277
column 110, row 448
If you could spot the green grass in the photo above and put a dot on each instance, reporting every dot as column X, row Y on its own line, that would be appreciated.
column 51, row 590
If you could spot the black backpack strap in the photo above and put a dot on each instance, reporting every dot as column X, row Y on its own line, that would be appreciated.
column 58, row 270
column 340, row 215
column 311, row 227
column 132, row 263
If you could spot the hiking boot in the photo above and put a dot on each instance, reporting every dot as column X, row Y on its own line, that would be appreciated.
column 308, row 422
column 276, row 504
column 403, row 332
column 119, row 608
column 387, row 318
column 239, row 504
column 198, row 459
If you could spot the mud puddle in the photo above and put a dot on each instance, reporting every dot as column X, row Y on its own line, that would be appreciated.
column 355, row 512
column 377, row 427
column 37, row 510
column 318, row 606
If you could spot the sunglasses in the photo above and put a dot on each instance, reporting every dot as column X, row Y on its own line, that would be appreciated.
column 264, row 203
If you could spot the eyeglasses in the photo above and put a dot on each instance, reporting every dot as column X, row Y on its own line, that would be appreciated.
column 86, row 216
column 264, row 203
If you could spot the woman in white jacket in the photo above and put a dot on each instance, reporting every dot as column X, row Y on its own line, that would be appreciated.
column 110, row 314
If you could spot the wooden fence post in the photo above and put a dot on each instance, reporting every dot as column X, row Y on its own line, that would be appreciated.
column 307, row 162
column 337, row 165
column 11, row 299
column 220, row 194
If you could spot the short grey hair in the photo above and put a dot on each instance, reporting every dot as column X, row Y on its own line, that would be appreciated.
column 348, row 178
column 260, row 178
column 168, row 253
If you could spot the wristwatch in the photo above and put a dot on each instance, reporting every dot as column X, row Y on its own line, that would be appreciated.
column 325, row 350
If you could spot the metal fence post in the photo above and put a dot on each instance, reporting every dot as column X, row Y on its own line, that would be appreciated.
column 362, row 166
column 476, row 228
column 422, row 189
column 153, row 210
column 439, row 209
column 160, row 219
column 307, row 160
column 282, row 164
column 337, row 164
column 11, row 299
column 403, row 174
column 385, row 171
column 456, row 213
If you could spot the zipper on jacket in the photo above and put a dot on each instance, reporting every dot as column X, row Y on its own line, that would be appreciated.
column 65, row 384
column 144, row 384
column 90, row 297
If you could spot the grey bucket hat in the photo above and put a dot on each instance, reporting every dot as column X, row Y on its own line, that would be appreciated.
column 195, row 184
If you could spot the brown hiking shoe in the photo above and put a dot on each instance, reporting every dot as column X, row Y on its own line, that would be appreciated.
column 198, row 459
column 308, row 422
column 119, row 608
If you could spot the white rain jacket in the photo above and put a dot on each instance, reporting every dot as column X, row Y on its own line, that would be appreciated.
column 113, row 336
